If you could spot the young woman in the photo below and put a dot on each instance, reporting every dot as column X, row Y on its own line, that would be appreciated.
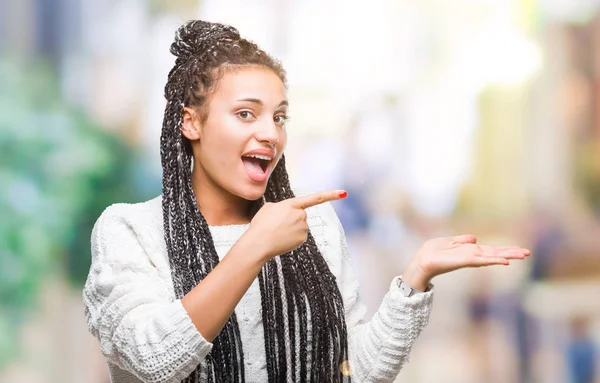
column 230, row 277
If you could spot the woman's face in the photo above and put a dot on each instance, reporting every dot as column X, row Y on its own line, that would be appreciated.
column 243, row 136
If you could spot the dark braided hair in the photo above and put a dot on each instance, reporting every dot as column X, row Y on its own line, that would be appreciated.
column 302, row 309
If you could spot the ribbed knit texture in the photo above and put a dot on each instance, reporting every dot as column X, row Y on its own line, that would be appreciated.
column 146, row 334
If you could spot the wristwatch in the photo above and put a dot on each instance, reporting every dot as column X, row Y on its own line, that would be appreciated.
column 407, row 290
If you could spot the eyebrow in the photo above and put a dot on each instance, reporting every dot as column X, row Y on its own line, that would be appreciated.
column 259, row 102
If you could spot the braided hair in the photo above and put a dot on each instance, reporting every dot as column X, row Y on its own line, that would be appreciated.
column 302, row 309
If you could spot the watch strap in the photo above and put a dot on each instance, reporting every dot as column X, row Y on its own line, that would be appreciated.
column 407, row 290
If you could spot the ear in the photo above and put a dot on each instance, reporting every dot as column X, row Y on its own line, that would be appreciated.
column 191, row 124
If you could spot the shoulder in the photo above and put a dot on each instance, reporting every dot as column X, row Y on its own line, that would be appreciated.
column 143, row 220
column 132, row 211
column 150, row 210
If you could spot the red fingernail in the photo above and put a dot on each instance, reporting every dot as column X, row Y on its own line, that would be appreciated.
column 343, row 194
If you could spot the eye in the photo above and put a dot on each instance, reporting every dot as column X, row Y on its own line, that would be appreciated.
column 280, row 119
column 245, row 115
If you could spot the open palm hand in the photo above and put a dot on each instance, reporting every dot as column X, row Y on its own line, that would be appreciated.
column 442, row 255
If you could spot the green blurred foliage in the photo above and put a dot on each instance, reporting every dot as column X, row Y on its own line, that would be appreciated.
column 58, row 171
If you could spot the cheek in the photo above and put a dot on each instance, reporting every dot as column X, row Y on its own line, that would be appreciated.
column 223, row 144
column 212, row 157
column 225, row 154
column 281, row 145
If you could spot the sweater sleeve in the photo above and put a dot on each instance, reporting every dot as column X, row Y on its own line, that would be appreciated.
column 132, row 312
column 378, row 348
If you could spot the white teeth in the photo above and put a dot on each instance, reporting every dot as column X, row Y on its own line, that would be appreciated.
column 260, row 157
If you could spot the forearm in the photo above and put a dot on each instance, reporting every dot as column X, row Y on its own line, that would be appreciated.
column 213, row 300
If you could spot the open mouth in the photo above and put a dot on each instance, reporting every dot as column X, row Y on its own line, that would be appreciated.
column 257, row 166
column 256, row 162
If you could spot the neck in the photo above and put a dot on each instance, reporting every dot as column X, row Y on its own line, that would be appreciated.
column 218, row 206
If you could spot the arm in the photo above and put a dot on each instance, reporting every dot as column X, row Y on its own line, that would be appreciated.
column 378, row 349
column 275, row 229
column 212, row 301
column 131, row 309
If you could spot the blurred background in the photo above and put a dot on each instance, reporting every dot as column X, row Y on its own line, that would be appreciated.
column 439, row 118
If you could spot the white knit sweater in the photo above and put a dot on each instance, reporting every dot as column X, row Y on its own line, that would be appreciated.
column 146, row 334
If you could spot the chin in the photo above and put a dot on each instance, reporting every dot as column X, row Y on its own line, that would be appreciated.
column 252, row 192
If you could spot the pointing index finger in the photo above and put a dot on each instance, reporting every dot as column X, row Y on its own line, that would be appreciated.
column 318, row 198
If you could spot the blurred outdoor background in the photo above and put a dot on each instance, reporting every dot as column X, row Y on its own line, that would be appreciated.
column 439, row 117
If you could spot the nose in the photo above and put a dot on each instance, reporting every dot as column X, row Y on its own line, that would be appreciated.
column 268, row 133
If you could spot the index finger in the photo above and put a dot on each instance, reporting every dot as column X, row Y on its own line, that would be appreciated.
column 314, row 199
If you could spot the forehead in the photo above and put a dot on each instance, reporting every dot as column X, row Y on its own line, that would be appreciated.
column 250, row 82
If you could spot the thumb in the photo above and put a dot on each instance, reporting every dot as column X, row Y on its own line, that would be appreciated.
column 462, row 239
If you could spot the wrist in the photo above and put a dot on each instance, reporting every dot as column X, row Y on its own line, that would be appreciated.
column 416, row 278
column 253, row 248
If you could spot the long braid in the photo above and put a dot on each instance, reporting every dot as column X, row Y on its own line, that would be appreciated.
column 192, row 254
column 301, row 302
column 307, row 276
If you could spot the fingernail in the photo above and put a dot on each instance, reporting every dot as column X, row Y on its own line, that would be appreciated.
column 343, row 194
